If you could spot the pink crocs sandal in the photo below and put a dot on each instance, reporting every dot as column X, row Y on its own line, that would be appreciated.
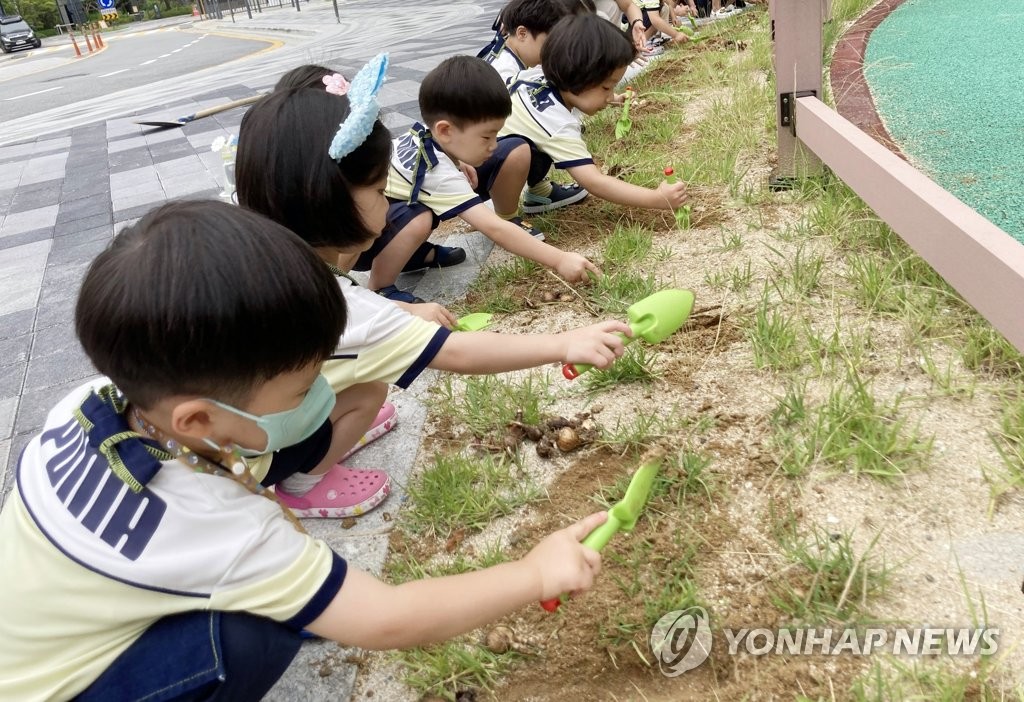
column 343, row 492
column 386, row 420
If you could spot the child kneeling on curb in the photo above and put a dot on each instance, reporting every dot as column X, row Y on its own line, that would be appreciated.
column 437, row 174
column 581, row 62
column 140, row 558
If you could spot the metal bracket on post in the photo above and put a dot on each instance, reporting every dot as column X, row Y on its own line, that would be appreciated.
column 787, row 108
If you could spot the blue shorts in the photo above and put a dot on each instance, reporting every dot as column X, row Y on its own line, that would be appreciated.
column 221, row 656
column 400, row 213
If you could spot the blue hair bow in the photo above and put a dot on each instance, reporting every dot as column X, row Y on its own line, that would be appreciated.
column 363, row 108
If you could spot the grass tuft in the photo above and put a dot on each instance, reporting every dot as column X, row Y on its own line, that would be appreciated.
column 458, row 492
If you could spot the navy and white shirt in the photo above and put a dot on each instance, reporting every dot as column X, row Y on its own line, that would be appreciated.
column 541, row 116
column 88, row 564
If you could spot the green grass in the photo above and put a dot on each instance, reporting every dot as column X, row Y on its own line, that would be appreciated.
column 644, row 429
column 1009, row 442
column 614, row 292
column 457, row 492
column 450, row 668
column 682, row 476
column 773, row 335
column 653, row 580
column 896, row 680
column 627, row 244
column 490, row 292
column 736, row 279
column 799, row 273
column 828, row 581
column 485, row 404
column 635, row 366
column 402, row 567
column 850, row 431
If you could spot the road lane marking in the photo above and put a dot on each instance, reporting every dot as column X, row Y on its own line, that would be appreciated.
column 163, row 55
column 113, row 73
column 146, row 63
column 38, row 92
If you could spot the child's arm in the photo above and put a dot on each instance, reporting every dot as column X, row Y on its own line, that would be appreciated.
column 486, row 352
column 665, row 197
column 371, row 614
column 659, row 23
column 571, row 266
column 635, row 19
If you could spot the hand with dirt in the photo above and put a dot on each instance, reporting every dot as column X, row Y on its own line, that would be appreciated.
column 430, row 311
column 597, row 345
column 680, row 38
column 673, row 195
column 574, row 267
column 562, row 564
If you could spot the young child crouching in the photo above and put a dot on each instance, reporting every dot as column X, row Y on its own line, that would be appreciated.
column 140, row 558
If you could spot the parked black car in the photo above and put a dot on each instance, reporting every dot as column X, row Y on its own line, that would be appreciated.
column 16, row 34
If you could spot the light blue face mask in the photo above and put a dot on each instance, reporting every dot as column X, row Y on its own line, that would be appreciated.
column 292, row 426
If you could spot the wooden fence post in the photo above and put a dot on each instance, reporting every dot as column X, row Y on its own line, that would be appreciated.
column 797, row 38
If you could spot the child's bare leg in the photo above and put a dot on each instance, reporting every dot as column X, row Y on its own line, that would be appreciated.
column 390, row 261
column 354, row 411
column 508, row 184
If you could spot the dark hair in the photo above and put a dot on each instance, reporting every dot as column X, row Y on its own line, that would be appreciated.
column 582, row 51
column 307, row 76
column 463, row 90
column 205, row 298
column 283, row 170
column 538, row 16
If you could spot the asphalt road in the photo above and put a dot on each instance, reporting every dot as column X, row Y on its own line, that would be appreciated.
column 39, row 82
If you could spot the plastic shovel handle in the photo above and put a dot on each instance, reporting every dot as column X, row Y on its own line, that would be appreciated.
column 571, row 371
column 597, row 540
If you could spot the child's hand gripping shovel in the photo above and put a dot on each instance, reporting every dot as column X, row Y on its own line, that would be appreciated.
column 683, row 213
column 623, row 514
column 472, row 322
column 653, row 319
column 624, row 124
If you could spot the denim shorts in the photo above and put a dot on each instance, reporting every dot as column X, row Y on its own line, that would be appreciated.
column 208, row 656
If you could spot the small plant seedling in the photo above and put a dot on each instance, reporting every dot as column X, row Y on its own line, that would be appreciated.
column 625, row 124
column 683, row 213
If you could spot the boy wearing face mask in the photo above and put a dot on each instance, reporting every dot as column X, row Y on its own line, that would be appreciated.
column 140, row 558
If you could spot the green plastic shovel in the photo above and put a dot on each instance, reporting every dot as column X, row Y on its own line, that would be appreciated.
column 622, row 516
column 624, row 124
column 653, row 319
column 473, row 322
column 683, row 213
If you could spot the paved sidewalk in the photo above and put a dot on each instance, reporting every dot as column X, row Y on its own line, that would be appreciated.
column 64, row 194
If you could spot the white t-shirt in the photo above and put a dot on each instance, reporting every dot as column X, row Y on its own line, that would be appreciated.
column 539, row 115
column 381, row 342
column 506, row 63
column 442, row 186
column 88, row 565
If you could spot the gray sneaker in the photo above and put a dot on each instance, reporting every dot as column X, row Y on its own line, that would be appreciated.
column 561, row 195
